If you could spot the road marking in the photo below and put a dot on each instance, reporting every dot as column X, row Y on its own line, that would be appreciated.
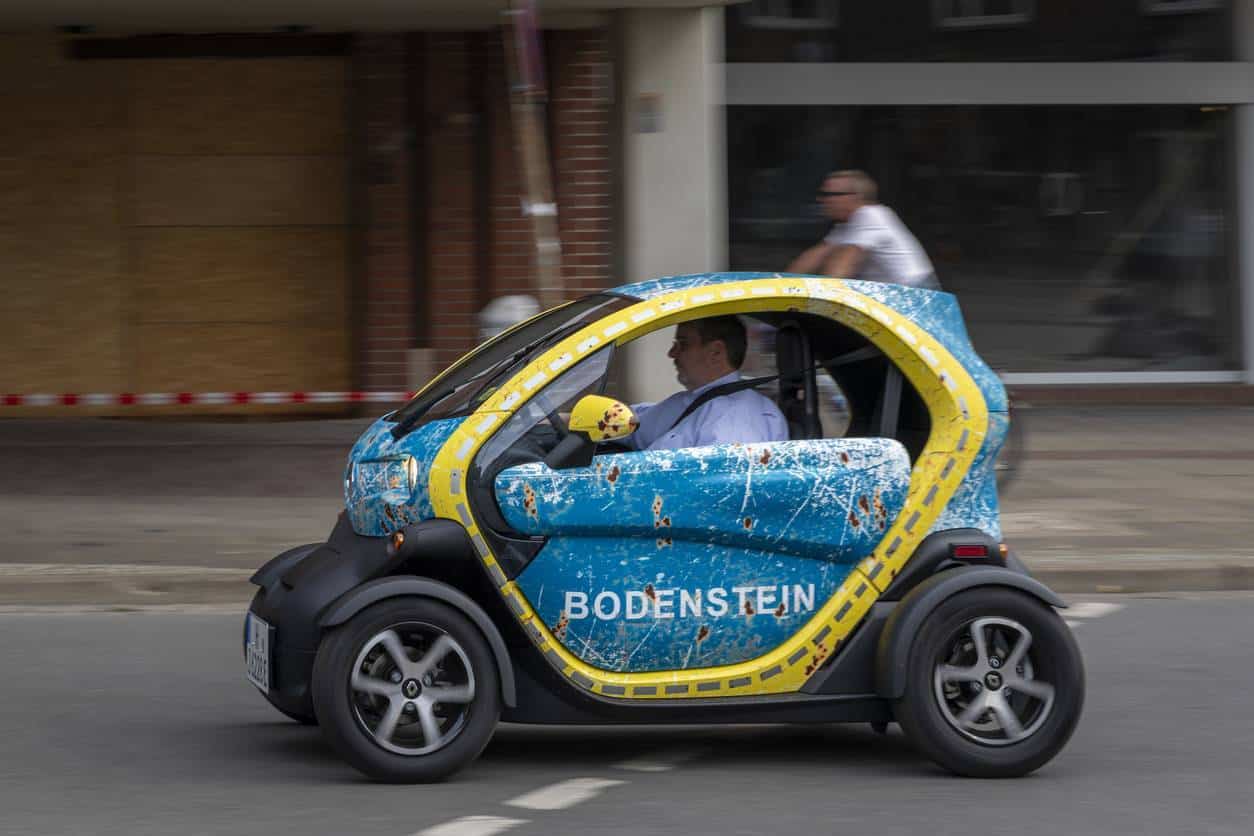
column 1092, row 609
column 472, row 826
column 563, row 794
column 663, row 762
column 1089, row 609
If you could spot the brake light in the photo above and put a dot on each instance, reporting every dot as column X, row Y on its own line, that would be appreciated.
column 967, row 552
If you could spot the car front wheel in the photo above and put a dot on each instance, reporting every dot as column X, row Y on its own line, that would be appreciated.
column 407, row 690
column 995, row 684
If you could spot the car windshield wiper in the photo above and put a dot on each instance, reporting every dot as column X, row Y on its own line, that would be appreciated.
column 404, row 427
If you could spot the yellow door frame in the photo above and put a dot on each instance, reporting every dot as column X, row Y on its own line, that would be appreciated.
column 959, row 418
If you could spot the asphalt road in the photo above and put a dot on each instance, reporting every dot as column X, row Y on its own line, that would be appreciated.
column 142, row 723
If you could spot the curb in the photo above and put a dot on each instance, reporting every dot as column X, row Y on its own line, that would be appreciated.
column 112, row 585
column 145, row 586
column 1194, row 577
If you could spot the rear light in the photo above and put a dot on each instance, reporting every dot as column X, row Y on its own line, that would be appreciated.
column 968, row 552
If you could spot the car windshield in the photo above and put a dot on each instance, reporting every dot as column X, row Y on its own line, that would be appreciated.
column 472, row 380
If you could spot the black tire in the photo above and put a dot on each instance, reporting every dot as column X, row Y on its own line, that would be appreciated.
column 345, row 723
column 927, row 714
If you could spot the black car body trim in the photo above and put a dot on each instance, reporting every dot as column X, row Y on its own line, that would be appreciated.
column 902, row 627
column 355, row 600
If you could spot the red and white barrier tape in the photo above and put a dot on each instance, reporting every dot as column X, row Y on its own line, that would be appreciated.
column 203, row 398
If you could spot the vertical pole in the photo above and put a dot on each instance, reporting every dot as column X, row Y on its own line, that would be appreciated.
column 1244, row 233
column 1243, row 50
column 524, row 65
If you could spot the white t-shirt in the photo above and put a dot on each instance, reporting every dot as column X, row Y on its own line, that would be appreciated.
column 893, row 254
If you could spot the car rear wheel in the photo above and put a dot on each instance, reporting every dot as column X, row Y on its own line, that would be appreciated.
column 995, row 684
column 407, row 690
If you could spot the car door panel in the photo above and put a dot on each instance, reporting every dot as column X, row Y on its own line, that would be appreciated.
column 676, row 559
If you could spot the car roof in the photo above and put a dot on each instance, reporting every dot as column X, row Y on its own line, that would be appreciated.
column 668, row 284
column 935, row 311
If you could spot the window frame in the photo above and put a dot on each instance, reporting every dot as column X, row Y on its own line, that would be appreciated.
column 780, row 15
column 945, row 18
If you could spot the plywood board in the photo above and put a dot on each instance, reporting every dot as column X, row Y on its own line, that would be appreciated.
column 25, row 57
column 80, row 191
column 62, row 316
column 233, row 274
column 62, row 272
column 73, row 354
column 232, row 106
column 240, row 357
column 240, row 191
column 76, row 114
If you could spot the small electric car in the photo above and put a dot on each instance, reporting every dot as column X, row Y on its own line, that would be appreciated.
column 498, row 561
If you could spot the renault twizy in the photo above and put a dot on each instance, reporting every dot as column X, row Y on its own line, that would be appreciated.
column 504, row 554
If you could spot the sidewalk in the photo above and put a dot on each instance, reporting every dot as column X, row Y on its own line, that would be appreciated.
column 132, row 513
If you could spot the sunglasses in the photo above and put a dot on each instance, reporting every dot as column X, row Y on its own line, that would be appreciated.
column 834, row 194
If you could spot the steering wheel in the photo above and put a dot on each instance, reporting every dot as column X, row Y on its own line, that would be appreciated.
column 555, row 421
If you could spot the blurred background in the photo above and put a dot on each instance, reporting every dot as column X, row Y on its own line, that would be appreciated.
column 197, row 197
column 206, row 207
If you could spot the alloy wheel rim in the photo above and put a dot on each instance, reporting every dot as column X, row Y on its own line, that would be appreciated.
column 987, row 686
column 411, row 688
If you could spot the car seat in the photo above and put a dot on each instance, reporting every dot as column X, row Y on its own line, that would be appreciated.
column 798, row 390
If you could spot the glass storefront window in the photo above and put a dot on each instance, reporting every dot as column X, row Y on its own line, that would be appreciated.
column 1076, row 238
column 979, row 30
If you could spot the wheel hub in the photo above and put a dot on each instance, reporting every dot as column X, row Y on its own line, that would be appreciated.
column 986, row 685
column 412, row 687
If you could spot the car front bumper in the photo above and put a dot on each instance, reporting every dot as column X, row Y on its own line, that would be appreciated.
column 295, row 588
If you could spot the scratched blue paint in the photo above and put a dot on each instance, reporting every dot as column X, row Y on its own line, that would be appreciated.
column 773, row 517
column 604, row 535
column 376, row 485
column 974, row 505
column 662, row 633
column 939, row 314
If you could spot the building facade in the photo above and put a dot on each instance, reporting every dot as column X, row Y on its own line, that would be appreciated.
column 200, row 199
column 1077, row 171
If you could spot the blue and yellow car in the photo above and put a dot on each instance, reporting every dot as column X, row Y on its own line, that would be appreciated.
column 505, row 555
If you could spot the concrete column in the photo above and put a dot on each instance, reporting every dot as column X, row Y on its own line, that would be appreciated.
column 674, row 165
column 1243, row 47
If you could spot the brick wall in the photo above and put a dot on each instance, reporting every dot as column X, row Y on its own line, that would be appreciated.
column 385, row 290
column 580, row 84
column 475, row 242
column 511, row 262
column 446, row 71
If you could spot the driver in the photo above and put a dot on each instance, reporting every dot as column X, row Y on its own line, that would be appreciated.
column 708, row 353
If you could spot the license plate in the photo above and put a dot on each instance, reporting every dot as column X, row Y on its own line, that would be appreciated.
column 257, row 652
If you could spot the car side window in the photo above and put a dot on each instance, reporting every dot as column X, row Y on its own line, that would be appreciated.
column 763, row 358
column 584, row 378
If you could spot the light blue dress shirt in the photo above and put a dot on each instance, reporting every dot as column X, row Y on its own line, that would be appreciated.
column 745, row 416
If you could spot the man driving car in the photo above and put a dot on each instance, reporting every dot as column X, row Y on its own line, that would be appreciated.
column 708, row 354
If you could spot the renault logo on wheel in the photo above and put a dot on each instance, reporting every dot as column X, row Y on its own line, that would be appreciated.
column 411, row 688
